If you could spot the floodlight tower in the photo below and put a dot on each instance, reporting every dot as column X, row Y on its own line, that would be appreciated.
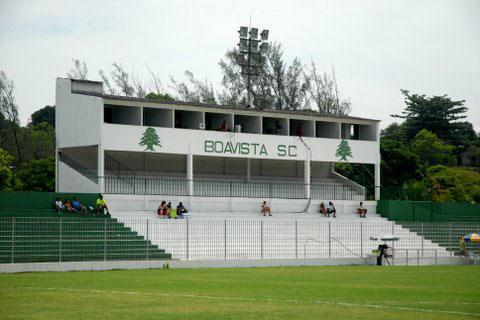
column 252, row 54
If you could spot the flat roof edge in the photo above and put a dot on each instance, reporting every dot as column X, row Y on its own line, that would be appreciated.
column 305, row 112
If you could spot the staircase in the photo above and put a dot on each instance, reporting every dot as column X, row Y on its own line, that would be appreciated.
column 60, row 238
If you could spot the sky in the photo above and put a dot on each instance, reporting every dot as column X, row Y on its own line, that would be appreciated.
column 377, row 47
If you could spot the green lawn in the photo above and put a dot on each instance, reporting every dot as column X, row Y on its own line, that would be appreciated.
column 253, row 293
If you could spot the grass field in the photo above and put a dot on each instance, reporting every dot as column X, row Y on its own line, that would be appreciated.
column 254, row 293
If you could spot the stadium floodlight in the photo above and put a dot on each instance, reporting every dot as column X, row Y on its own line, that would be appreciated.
column 264, row 48
column 252, row 53
column 244, row 45
column 264, row 35
column 253, row 33
column 243, row 32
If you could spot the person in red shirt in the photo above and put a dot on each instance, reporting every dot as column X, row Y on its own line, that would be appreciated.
column 224, row 126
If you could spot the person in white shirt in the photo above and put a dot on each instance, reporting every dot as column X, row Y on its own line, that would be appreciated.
column 59, row 205
column 362, row 211
column 331, row 209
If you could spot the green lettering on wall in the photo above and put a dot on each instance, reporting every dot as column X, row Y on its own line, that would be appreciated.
column 281, row 150
column 228, row 147
column 244, row 148
column 263, row 150
column 255, row 145
column 218, row 147
column 292, row 151
column 208, row 146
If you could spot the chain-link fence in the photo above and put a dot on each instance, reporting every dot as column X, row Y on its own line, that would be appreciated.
column 76, row 239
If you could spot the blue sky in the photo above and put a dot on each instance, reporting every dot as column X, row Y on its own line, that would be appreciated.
column 377, row 47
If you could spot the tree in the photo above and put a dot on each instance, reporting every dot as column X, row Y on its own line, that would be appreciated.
column 161, row 96
column 440, row 115
column 150, row 139
column 453, row 184
column 79, row 71
column 399, row 163
column 38, row 141
column 201, row 91
column 394, row 131
column 473, row 155
column 344, row 151
column 37, row 175
column 9, row 109
column 46, row 114
column 430, row 150
column 5, row 170
column 323, row 92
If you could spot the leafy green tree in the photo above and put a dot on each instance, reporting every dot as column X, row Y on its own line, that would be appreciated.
column 344, row 151
column 38, row 141
column 37, row 175
column 160, row 96
column 5, row 170
column 394, row 131
column 399, row 163
column 440, row 115
column 473, row 155
column 453, row 184
column 150, row 139
column 45, row 114
column 430, row 150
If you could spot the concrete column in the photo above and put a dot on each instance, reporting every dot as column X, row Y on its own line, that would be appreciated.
column 190, row 173
column 249, row 170
column 377, row 181
column 307, row 174
column 57, row 176
column 101, row 168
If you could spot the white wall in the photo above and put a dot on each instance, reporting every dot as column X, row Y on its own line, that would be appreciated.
column 72, row 181
column 174, row 141
column 78, row 118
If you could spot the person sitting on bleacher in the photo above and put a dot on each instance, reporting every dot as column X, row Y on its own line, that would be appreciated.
column 331, row 209
column 69, row 207
column 172, row 213
column 78, row 206
column 101, row 205
column 323, row 209
column 162, row 210
column 266, row 209
column 59, row 205
column 361, row 210
column 181, row 210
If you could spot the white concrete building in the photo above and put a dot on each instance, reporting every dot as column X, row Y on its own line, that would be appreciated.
column 138, row 147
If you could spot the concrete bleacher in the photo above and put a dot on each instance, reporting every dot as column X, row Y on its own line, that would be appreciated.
column 233, row 229
column 32, row 231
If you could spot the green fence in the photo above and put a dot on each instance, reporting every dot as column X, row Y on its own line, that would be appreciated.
column 427, row 211
column 37, row 204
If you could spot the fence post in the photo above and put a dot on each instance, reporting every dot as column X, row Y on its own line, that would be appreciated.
column 361, row 239
column 406, row 256
column 261, row 239
column 13, row 239
column 187, row 248
column 451, row 239
column 421, row 240
column 329, row 239
column 418, row 257
column 105, row 239
column 147, row 245
column 225, row 238
column 296, row 239
column 60, row 235
column 435, row 256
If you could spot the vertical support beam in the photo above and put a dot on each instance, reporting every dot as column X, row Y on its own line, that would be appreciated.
column 307, row 174
column 57, row 176
column 249, row 169
column 377, row 181
column 190, row 172
column 101, row 168
column 296, row 239
column 187, row 240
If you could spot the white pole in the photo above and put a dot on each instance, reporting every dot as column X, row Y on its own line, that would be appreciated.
column 100, row 169
column 307, row 174
column 190, row 173
column 377, row 181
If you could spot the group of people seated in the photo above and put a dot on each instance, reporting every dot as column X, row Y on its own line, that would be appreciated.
column 328, row 210
column 166, row 211
column 75, row 206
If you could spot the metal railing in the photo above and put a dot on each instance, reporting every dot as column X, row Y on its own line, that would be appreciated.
column 77, row 239
column 224, row 188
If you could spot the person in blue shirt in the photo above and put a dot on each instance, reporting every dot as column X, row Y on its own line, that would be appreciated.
column 77, row 206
